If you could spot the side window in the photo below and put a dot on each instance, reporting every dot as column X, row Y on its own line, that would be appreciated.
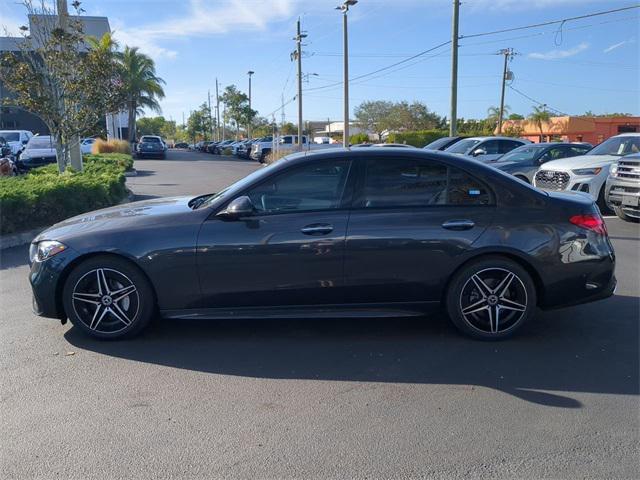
column 507, row 145
column 554, row 154
column 317, row 186
column 287, row 140
column 491, row 147
column 406, row 182
column 577, row 151
column 466, row 190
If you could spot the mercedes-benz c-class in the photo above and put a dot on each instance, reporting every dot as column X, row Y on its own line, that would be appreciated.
column 360, row 233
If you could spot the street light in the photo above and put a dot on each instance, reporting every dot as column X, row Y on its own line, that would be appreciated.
column 344, row 8
column 250, row 72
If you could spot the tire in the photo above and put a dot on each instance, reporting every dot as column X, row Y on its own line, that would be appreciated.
column 623, row 216
column 483, row 290
column 602, row 204
column 121, row 312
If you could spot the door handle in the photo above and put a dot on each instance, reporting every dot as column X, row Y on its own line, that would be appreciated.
column 317, row 229
column 458, row 224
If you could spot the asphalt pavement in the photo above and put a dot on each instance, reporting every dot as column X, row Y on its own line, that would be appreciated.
column 319, row 399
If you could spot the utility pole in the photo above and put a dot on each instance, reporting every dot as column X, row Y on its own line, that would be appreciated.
column 344, row 8
column 508, row 54
column 282, row 114
column 183, row 124
column 210, row 118
column 250, row 120
column 298, row 54
column 217, row 111
column 453, row 120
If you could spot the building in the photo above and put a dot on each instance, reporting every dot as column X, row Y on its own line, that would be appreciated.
column 593, row 130
column 15, row 118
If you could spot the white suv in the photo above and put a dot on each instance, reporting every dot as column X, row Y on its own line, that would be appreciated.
column 587, row 173
column 16, row 139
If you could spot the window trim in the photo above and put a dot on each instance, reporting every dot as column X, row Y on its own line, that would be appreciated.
column 358, row 192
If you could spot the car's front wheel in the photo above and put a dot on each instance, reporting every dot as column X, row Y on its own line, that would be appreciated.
column 623, row 216
column 108, row 298
column 491, row 298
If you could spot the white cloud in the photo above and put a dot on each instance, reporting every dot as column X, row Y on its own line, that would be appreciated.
column 204, row 19
column 555, row 54
column 610, row 48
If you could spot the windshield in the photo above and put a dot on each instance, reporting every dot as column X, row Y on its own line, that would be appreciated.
column 521, row 154
column 10, row 136
column 439, row 143
column 463, row 146
column 40, row 142
column 617, row 146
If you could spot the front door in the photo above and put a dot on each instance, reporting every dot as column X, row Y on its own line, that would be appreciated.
column 411, row 220
column 290, row 252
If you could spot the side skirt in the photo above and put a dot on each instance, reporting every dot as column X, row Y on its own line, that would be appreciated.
column 389, row 310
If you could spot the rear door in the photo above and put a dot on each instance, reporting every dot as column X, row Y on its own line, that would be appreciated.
column 412, row 218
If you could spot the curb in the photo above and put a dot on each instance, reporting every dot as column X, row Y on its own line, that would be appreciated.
column 17, row 239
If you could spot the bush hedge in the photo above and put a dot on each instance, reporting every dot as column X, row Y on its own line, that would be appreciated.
column 43, row 196
column 418, row 138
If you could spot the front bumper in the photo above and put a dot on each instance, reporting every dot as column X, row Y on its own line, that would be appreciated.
column 47, row 280
column 567, row 181
column 624, row 194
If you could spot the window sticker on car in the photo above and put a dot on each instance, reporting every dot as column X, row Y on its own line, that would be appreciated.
column 474, row 192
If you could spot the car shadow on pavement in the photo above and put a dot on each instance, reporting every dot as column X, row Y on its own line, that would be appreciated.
column 581, row 349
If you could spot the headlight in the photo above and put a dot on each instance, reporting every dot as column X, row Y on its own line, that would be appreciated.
column 587, row 171
column 613, row 171
column 45, row 249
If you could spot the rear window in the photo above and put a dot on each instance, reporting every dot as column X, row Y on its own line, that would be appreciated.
column 150, row 140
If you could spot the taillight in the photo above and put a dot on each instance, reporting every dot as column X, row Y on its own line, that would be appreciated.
column 590, row 221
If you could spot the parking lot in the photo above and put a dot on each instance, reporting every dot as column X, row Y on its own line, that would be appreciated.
column 326, row 398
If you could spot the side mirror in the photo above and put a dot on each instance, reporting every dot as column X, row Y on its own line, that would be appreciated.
column 238, row 208
column 24, row 142
column 478, row 152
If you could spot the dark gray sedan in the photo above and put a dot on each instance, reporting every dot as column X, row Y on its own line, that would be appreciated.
column 523, row 162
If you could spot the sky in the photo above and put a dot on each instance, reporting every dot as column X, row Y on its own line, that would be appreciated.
column 583, row 65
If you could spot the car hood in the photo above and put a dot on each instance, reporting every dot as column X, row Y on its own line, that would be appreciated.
column 39, row 152
column 583, row 161
column 501, row 164
column 121, row 217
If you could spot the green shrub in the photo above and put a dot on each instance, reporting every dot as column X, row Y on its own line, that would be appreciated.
column 227, row 151
column 418, row 138
column 359, row 138
column 43, row 196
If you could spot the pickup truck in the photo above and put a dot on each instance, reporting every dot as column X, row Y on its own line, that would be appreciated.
column 286, row 144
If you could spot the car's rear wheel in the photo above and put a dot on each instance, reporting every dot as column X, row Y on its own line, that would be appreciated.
column 491, row 298
column 108, row 298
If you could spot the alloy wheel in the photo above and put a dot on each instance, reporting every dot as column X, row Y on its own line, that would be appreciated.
column 493, row 300
column 105, row 300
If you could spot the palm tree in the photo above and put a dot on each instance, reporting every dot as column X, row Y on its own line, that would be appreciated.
column 142, row 86
column 493, row 115
column 538, row 117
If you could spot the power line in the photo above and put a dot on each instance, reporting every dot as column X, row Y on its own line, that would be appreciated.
column 551, row 22
column 536, row 101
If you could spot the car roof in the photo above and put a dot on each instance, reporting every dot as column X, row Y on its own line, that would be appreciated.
column 491, row 137
column 628, row 134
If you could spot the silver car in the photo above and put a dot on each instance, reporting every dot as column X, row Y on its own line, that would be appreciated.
column 623, row 188
column 486, row 149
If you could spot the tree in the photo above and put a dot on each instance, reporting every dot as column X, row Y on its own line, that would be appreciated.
column 238, row 111
column 289, row 129
column 199, row 123
column 374, row 116
column 142, row 86
column 493, row 115
column 538, row 117
column 261, row 127
column 515, row 116
column 61, row 76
